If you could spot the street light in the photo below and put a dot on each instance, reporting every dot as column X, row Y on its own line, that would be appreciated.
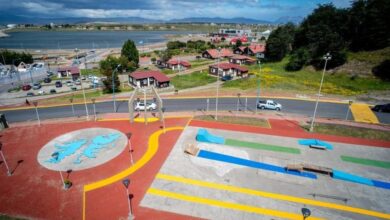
column 216, row 101
column 326, row 58
column 126, row 183
column 55, row 157
column 85, row 100
column 113, row 86
column 36, row 110
column 5, row 162
column 94, row 108
column 259, row 57
column 71, row 102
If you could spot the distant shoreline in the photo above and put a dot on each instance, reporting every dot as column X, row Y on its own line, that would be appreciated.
column 2, row 34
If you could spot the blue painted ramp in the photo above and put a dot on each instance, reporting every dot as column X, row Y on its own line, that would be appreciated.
column 250, row 163
column 337, row 174
column 204, row 136
column 315, row 142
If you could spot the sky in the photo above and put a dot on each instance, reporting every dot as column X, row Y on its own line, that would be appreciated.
column 269, row 10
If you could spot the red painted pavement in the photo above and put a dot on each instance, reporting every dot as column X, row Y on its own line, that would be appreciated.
column 289, row 128
column 36, row 192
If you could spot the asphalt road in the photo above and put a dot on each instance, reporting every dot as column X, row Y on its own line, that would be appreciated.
column 304, row 108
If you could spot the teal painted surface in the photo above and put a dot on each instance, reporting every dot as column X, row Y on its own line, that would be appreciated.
column 66, row 150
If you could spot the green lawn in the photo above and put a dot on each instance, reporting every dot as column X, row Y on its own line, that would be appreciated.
column 196, row 63
column 273, row 75
column 192, row 80
column 95, row 72
column 168, row 71
column 350, row 131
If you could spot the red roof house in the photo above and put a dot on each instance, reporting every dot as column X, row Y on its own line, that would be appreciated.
column 214, row 53
column 240, row 59
column 254, row 49
column 148, row 78
column 228, row 69
column 177, row 63
column 68, row 71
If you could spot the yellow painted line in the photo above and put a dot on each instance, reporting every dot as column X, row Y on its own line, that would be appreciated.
column 269, row 124
column 273, row 195
column 150, row 152
column 141, row 119
column 227, row 205
column 362, row 113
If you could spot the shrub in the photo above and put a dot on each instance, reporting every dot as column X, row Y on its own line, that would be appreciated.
column 382, row 71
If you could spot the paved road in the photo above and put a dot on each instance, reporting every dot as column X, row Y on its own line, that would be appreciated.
column 304, row 108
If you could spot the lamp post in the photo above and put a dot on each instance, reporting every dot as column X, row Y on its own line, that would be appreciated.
column 349, row 104
column 85, row 100
column 126, row 183
column 259, row 56
column 94, row 108
column 130, row 147
column 326, row 58
column 5, row 162
column 77, row 55
column 71, row 102
column 36, row 110
column 113, row 86
column 238, row 102
column 216, row 101
column 55, row 157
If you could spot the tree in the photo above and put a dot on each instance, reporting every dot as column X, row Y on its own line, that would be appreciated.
column 165, row 55
column 129, row 50
column 298, row 60
column 107, row 67
column 238, row 44
column 321, row 32
column 382, row 71
column 279, row 42
column 12, row 57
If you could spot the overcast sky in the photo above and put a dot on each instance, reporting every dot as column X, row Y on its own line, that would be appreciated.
column 164, row 9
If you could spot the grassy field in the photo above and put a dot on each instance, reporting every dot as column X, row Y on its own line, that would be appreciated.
column 350, row 131
column 306, row 80
column 192, row 80
column 168, row 71
column 196, row 63
column 236, row 120
column 95, row 72
column 371, row 57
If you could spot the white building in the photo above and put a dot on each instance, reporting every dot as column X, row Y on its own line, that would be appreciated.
column 236, row 32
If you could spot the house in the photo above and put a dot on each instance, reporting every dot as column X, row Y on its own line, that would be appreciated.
column 22, row 67
column 71, row 71
column 234, row 40
column 254, row 49
column 148, row 78
column 239, row 50
column 177, row 64
column 240, row 59
column 228, row 69
column 214, row 53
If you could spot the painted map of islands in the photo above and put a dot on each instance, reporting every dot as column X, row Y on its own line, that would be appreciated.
column 94, row 147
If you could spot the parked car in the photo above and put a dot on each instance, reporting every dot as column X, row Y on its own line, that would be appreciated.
column 30, row 94
column 47, row 80
column 74, row 88
column 41, row 92
column 26, row 87
column 77, row 82
column 36, row 86
column 69, row 83
column 382, row 108
column 140, row 106
column 50, row 73
column 226, row 78
column 53, row 91
column 58, row 84
column 269, row 104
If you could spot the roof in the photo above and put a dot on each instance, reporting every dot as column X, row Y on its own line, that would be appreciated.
column 177, row 61
column 257, row 48
column 226, row 66
column 242, row 39
column 71, row 69
column 223, row 53
column 157, row 75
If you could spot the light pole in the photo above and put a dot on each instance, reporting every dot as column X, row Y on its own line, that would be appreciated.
column 85, row 100
column 94, row 108
column 126, row 183
column 349, row 104
column 36, row 110
column 238, row 102
column 113, row 86
column 326, row 58
column 216, row 101
column 259, row 56
column 77, row 55
column 5, row 162
column 130, row 147
column 71, row 102
column 55, row 157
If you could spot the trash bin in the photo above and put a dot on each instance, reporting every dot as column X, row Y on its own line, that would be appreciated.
column 3, row 122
